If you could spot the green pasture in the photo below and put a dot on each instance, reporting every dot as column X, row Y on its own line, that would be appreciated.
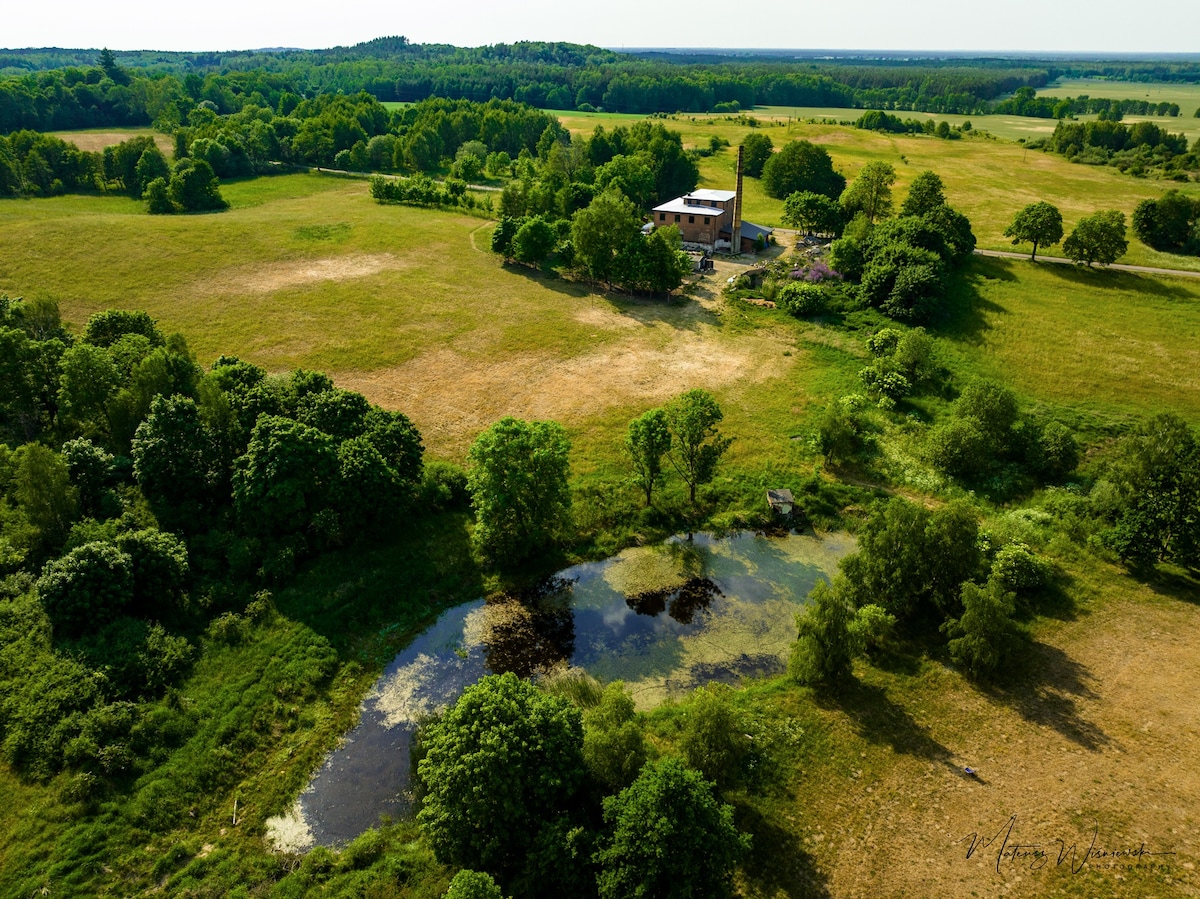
column 1104, row 343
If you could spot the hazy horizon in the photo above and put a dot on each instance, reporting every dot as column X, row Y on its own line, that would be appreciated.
column 1022, row 27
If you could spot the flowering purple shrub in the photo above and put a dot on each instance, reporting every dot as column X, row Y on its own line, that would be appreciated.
column 820, row 271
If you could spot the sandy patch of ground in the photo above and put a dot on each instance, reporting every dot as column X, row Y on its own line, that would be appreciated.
column 281, row 275
column 96, row 141
column 1101, row 757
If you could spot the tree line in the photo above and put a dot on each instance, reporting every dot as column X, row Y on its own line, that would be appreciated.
column 140, row 89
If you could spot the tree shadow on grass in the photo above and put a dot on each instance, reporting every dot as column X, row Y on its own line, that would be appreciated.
column 370, row 600
column 881, row 721
column 1174, row 582
column 966, row 310
column 775, row 864
column 1096, row 278
column 1046, row 688
column 681, row 313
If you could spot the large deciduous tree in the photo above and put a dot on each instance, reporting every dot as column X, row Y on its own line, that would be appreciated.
column 518, row 483
column 284, row 478
column 813, row 213
column 696, row 444
column 1157, row 476
column 670, row 838
column 823, row 652
column 172, row 454
column 647, row 441
column 801, row 165
column 871, row 192
column 925, row 194
column 985, row 637
column 194, row 187
column 1099, row 237
column 502, row 763
column 87, row 587
column 1038, row 223
column 601, row 232
column 1170, row 224
column 756, row 150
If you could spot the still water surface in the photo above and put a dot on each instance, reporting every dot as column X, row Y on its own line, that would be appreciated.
column 663, row 619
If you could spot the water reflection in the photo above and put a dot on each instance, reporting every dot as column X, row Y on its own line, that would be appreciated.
column 664, row 619
column 530, row 632
column 681, row 603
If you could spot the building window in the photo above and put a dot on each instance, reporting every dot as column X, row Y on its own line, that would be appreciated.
column 677, row 217
column 691, row 220
column 662, row 216
column 706, row 220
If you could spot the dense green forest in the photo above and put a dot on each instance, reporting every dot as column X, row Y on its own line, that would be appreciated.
column 47, row 89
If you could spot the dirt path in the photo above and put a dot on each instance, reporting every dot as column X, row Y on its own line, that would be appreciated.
column 1058, row 260
column 1101, row 757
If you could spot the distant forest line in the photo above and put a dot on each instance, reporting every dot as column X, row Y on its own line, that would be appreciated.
column 53, row 89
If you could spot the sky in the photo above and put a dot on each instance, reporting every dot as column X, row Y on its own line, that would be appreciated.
column 1156, row 26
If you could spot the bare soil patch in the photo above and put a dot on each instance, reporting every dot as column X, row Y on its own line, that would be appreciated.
column 281, row 275
column 1099, row 756
column 452, row 396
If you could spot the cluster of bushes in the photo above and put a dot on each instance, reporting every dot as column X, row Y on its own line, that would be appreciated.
column 918, row 573
column 986, row 442
column 1170, row 224
column 532, row 795
column 421, row 190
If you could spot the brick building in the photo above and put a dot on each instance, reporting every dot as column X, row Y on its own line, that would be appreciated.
column 707, row 219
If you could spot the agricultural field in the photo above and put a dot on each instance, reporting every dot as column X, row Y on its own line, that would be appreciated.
column 1186, row 95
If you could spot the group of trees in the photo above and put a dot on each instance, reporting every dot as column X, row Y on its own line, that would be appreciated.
column 683, row 432
column 919, row 573
column 584, row 200
column 542, row 799
column 603, row 242
column 128, row 477
column 899, row 262
column 1137, row 148
column 1025, row 102
column 1099, row 237
column 882, row 121
column 33, row 164
column 518, row 473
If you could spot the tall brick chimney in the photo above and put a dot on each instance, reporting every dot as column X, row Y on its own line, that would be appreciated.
column 735, row 242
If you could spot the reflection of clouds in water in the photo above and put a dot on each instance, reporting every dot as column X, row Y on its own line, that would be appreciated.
column 615, row 617
column 425, row 685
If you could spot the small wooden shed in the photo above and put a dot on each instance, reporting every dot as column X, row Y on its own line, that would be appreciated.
column 781, row 501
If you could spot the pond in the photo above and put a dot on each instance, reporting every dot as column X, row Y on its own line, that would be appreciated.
column 663, row 619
